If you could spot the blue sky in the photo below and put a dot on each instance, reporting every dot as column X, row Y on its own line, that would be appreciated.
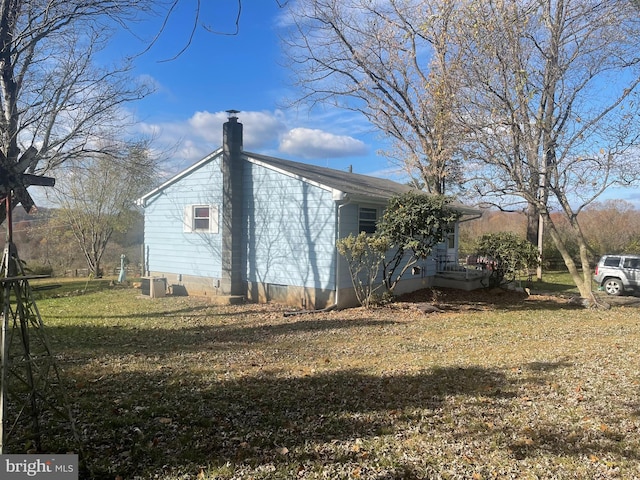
column 245, row 72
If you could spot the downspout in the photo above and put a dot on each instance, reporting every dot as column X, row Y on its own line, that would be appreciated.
column 341, row 200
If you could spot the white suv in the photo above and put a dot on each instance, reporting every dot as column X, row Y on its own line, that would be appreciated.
column 617, row 273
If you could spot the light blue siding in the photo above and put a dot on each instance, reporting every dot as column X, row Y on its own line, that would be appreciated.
column 171, row 249
column 290, row 234
column 291, row 230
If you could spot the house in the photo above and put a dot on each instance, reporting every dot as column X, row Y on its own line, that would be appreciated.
column 242, row 225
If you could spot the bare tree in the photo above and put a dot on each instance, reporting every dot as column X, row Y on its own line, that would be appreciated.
column 392, row 62
column 55, row 101
column 96, row 196
column 55, row 98
column 612, row 226
column 551, row 101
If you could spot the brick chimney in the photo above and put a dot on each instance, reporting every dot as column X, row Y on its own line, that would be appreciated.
column 232, row 281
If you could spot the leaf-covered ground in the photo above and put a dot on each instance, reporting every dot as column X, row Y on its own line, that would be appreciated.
column 495, row 385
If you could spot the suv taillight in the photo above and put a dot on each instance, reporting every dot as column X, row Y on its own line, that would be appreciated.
column 596, row 269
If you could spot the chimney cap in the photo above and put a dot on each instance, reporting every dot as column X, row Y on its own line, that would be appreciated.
column 233, row 113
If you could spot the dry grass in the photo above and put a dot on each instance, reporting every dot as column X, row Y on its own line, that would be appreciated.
column 493, row 387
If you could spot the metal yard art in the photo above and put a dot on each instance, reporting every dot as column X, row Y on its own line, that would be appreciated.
column 30, row 387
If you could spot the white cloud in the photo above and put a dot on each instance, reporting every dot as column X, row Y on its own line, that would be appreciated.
column 394, row 173
column 264, row 132
column 207, row 126
column 313, row 143
column 188, row 149
column 151, row 82
column 260, row 128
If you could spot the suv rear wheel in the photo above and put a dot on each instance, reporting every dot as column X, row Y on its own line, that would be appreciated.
column 613, row 286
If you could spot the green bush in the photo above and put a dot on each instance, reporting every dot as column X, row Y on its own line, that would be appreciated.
column 507, row 255
column 413, row 224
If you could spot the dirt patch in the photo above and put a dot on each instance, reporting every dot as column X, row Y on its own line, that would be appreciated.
column 622, row 300
column 450, row 299
column 434, row 300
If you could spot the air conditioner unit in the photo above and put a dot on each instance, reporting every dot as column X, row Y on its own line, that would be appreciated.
column 155, row 287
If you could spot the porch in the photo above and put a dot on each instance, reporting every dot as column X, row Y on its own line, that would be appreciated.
column 450, row 273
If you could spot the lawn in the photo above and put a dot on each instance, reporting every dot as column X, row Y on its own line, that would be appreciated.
column 175, row 388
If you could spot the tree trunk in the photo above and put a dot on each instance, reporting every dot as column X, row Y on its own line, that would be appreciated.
column 533, row 223
column 582, row 280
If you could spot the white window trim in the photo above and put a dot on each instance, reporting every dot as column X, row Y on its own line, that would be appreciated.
column 451, row 237
column 189, row 219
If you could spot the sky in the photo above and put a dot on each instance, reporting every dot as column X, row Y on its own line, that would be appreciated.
column 242, row 71
column 242, row 68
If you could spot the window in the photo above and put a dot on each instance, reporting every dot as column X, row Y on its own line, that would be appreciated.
column 367, row 220
column 612, row 262
column 631, row 263
column 451, row 237
column 201, row 218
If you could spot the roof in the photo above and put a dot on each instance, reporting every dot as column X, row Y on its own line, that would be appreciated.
column 348, row 183
column 340, row 181
column 343, row 184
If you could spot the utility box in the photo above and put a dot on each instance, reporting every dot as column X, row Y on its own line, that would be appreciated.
column 154, row 287
column 158, row 287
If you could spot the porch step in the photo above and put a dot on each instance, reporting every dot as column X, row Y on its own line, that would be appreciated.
column 449, row 280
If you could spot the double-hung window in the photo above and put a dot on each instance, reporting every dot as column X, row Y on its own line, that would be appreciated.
column 201, row 219
column 367, row 219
